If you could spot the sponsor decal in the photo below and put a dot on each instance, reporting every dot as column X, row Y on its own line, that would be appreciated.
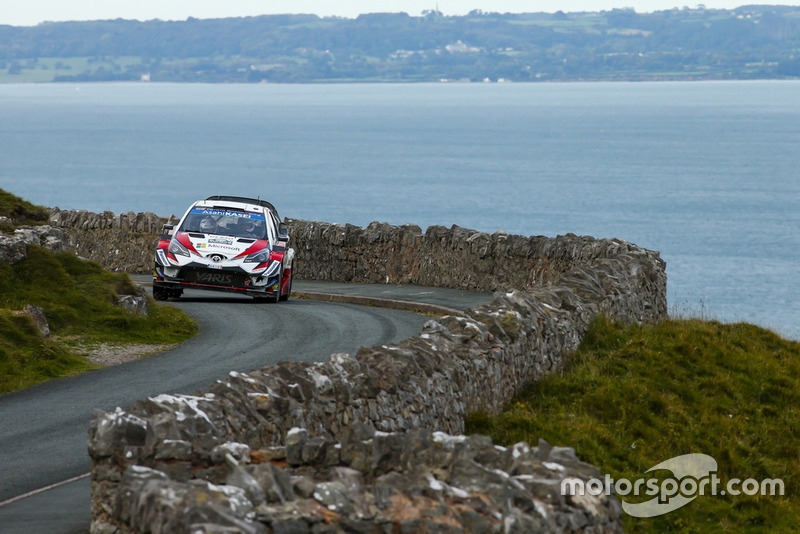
column 228, row 213
column 200, row 245
column 223, row 247
column 215, row 278
column 220, row 240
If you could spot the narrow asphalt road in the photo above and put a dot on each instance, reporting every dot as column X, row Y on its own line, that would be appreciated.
column 43, row 430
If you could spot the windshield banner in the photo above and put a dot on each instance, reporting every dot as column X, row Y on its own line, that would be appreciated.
column 228, row 213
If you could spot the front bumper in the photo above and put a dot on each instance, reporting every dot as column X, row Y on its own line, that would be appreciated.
column 231, row 280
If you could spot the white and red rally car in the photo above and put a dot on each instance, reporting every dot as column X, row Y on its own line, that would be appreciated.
column 223, row 243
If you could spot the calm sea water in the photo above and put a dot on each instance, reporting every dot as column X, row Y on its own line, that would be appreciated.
column 707, row 173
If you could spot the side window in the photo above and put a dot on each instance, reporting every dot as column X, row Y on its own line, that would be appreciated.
column 272, row 229
column 191, row 223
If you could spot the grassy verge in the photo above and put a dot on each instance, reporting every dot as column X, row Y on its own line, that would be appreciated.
column 634, row 396
column 78, row 298
column 20, row 211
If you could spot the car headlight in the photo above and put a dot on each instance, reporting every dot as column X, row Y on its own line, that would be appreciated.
column 262, row 256
column 177, row 249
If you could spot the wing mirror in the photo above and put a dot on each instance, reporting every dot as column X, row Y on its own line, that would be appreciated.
column 283, row 232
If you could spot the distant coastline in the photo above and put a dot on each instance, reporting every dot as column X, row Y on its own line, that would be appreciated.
column 749, row 42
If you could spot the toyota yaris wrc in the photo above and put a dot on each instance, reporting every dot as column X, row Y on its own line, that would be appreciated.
column 229, row 244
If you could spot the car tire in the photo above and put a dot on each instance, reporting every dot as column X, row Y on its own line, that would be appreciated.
column 160, row 293
column 284, row 298
column 277, row 298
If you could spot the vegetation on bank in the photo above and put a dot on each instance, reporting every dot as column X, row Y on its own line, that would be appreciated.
column 78, row 298
column 19, row 212
column 634, row 396
column 751, row 41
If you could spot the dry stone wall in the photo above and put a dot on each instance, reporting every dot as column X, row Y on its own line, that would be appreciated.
column 604, row 271
column 124, row 242
column 347, row 446
column 440, row 257
column 371, row 442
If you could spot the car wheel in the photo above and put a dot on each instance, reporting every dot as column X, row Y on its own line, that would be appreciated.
column 277, row 298
column 285, row 297
column 160, row 293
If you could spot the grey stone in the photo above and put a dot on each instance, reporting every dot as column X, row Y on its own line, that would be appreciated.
column 110, row 432
column 239, row 452
column 36, row 313
column 320, row 451
column 240, row 478
column 173, row 449
column 289, row 526
column 295, row 442
column 13, row 249
column 135, row 305
column 303, row 486
column 277, row 484
column 334, row 496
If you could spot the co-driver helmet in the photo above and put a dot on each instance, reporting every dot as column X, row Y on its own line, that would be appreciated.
column 208, row 224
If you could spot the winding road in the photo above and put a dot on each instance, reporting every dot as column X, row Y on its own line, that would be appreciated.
column 44, row 484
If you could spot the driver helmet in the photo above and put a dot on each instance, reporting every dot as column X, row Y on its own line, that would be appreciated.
column 208, row 224
column 254, row 227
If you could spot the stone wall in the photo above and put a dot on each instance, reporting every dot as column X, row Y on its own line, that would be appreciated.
column 124, row 242
column 371, row 442
column 346, row 445
column 160, row 465
column 604, row 271
column 440, row 257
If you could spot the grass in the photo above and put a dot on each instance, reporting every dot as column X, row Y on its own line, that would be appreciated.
column 27, row 359
column 78, row 298
column 634, row 396
column 21, row 212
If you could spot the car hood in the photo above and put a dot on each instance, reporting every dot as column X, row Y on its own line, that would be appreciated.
column 229, row 247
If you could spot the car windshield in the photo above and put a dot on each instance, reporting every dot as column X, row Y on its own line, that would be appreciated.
column 225, row 222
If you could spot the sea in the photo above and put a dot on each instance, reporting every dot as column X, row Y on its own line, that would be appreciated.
column 707, row 173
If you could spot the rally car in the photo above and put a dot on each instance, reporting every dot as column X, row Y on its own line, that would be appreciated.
column 224, row 243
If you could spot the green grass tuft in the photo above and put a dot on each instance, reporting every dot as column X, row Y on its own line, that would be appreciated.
column 20, row 211
column 26, row 358
column 634, row 396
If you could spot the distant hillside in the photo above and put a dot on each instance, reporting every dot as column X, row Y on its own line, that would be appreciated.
column 743, row 43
